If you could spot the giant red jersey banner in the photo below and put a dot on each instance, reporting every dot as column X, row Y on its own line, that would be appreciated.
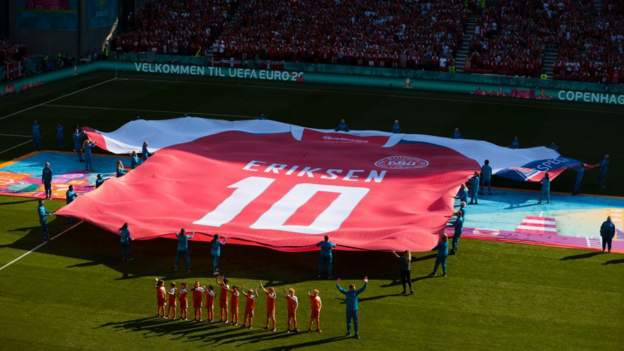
column 280, row 186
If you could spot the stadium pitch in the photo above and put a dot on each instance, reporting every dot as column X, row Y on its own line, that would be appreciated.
column 74, row 292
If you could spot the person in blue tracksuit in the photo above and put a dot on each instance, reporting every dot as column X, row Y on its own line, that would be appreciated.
column 545, row 189
column 442, row 255
column 396, row 126
column 60, row 135
column 515, row 143
column 77, row 140
column 87, row 148
column 183, row 250
column 36, row 134
column 124, row 239
column 46, row 179
column 604, row 169
column 70, row 195
column 462, row 193
column 458, row 226
column 43, row 219
column 486, row 177
column 99, row 181
column 578, row 181
column 135, row 160
column 216, row 245
column 326, row 258
column 144, row 151
column 342, row 126
column 120, row 170
column 457, row 134
column 474, row 189
column 352, row 302
column 607, row 232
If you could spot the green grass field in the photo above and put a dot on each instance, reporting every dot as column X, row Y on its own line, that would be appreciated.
column 74, row 293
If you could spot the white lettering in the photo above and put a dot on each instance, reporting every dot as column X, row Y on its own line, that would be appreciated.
column 249, row 166
column 351, row 175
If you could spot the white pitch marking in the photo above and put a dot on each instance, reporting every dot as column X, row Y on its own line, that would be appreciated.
column 40, row 245
column 57, row 98
column 15, row 146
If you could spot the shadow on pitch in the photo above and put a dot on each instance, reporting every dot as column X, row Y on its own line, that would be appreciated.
column 155, row 258
column 581, row 256
column 617, row 261
column 306, row 344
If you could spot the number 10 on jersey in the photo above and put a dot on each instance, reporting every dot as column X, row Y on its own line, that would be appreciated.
column 250, row 188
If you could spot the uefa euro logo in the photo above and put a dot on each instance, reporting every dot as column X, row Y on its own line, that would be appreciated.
column 401, row 162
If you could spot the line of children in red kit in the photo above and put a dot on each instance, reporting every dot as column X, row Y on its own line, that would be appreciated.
column 204, row 296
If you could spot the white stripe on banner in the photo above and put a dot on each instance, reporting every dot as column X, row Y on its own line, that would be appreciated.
column 539, row 221
column 536, row 228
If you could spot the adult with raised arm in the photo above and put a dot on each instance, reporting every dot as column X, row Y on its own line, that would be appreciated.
column 326, row 258
column 182, row 250
column 352, row 302
column 405, row 262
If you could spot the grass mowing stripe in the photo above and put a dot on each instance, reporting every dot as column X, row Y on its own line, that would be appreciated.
column 87, row 107
column 39, row 246
column 407, row 95
column 56, row 98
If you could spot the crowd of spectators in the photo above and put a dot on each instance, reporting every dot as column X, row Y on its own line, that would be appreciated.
column 591, row 44
column 510, row 36
column 398, row 33
column 178, row 27
column 11, row 59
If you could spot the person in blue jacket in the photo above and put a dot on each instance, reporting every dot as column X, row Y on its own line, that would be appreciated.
column 578, row 181
column 183, row 250
column 216, row 245
column 43, row 219
column 486, row 177
column 396, row 126
column 442, row 255
column 99, row 181
column 87, row 148
column 545, row 190
column 46, row 179
column 36, row 134
column 326, row 258
column 515, row 143
column 135, row 160
column 474, row 189
column 352, row 303
column 457, row 134
column 124, row 239
column 144, row 151
column 462, row 193
column 60, row 135
column 458, row 226
column 120, row 170
column 77, row 140
column 70, row 195
column 604, row 169
column 342, row 126
column 607, row 232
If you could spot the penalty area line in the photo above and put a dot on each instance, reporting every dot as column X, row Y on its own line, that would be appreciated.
column 39, row 246
column 57, row 98
column 16, row 146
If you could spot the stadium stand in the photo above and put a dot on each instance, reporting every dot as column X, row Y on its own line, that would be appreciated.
column 175, row 27
column 592, row 43
column 11, row 59
column 508, row 37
